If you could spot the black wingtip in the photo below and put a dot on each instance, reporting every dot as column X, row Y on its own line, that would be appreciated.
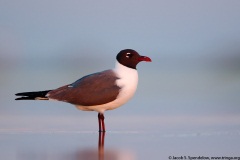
column 24, row 93
column 40, row 95
column 25, row 98
column 18, row 94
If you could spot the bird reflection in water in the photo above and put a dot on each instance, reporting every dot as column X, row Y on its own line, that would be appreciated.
column 103, row 154
column 40, row 151
column 101, row 138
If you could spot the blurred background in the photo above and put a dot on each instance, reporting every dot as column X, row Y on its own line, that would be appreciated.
column 194, row 46
column 192, row 83
column 189, row 94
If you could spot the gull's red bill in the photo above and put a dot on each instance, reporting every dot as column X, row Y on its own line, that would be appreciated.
column 144, row 58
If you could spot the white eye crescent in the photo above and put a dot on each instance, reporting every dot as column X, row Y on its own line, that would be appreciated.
column 128, row 55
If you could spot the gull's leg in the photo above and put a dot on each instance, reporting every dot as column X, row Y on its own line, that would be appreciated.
column 101, row 122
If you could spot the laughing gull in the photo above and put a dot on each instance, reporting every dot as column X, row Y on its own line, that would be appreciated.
column 99, row 91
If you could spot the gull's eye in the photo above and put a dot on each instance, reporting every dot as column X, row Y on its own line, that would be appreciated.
column 129, row 55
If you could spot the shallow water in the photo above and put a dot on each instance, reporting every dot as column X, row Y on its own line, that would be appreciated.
column 127, row 145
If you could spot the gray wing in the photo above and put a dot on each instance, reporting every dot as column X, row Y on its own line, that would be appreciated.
column 95, row 89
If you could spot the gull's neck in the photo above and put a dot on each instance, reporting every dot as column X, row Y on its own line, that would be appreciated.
column 121, row 68
column 123, row 71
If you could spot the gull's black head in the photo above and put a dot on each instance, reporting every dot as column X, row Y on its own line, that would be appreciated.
column 131, row 58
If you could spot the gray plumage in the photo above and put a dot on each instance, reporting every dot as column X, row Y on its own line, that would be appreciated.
column 95, row 89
